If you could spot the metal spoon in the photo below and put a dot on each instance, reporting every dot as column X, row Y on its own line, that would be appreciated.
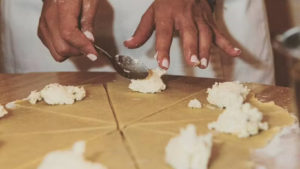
column 125, row 65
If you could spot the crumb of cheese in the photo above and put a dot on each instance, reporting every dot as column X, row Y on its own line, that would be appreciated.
column 3, row 112
column 70, row 159
column 57, row 94
column 11, row 105
column 242, row 121
column 34, row 97
column 152, row 84
column 195, row 103
column 227, row 94
column 189, row 151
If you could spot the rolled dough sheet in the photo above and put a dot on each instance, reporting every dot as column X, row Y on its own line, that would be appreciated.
column 23, row 120
column 148, row 147
column 108, row 150
column 27, row 151
column 146, row 124
column 273, row 114
column 131, row 106
column 94, row 107
column 111, row 151
column 180, row 112
column 229, row 152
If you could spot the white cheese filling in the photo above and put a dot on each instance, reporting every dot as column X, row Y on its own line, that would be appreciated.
column 69, row 159
column 11, row 105
column 3, row 111
column 189, row 151
column 57, row 94
column 227, row 94
column 195, row 103
column 238, row 118
column 152, row 84
column 242, row 121
column 34, row 97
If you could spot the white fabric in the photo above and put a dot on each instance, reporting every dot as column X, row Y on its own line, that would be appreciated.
column 116, row 21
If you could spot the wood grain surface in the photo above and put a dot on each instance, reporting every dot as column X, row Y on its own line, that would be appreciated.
column 18, row 86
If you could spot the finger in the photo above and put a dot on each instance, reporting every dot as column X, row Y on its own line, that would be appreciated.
column 45, row 38
column 89, row 9
column 68, row 15
column 205, row 40
column 189, row 36
column 61, row 47
column 143, row 31
column 164, row 33
column 225, row 44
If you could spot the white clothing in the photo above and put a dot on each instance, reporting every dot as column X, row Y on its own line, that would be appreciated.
column 245, row 21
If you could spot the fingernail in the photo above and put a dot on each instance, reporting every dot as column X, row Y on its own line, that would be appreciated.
column 165, row 63
column 89, row 35
column 129, row 39
column 204, row 62
column 155, row 56
column 238, row 51
column 195, row 60
column 92, row 57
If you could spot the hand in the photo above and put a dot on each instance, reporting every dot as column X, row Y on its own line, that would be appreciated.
column 194, row 21
column 66, row 28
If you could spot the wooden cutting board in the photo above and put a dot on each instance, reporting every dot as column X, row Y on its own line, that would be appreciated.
column 124, row 129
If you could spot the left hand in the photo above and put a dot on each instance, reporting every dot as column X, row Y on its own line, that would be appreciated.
column 195, row 23
column 66, row 27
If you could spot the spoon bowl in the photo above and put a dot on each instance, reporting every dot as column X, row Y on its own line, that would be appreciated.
column 125, row 65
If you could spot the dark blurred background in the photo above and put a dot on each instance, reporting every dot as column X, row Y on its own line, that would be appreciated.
column 282, row 15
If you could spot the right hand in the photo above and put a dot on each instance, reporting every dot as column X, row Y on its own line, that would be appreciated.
column 66, row 27
column 194, row 21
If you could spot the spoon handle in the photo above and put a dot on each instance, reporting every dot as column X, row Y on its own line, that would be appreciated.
column 100, row 50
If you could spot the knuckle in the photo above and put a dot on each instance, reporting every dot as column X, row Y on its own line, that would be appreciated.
column 42, row 25
column 59, row 58
column 165, row 21
column 63, row 50
column 164, row 29
column 163, row 33
column 40, row 34
column 41, row 29
column 189, row 31
column 66, row 34
column 86, row 48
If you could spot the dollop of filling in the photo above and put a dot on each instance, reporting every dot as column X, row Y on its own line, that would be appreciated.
column 152, row 84
column 188, row 150
column 68, row 159
column 3, row 111
column 55, row 93
column 195, row 104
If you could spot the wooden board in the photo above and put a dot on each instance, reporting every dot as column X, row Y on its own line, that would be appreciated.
column 124, row 129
